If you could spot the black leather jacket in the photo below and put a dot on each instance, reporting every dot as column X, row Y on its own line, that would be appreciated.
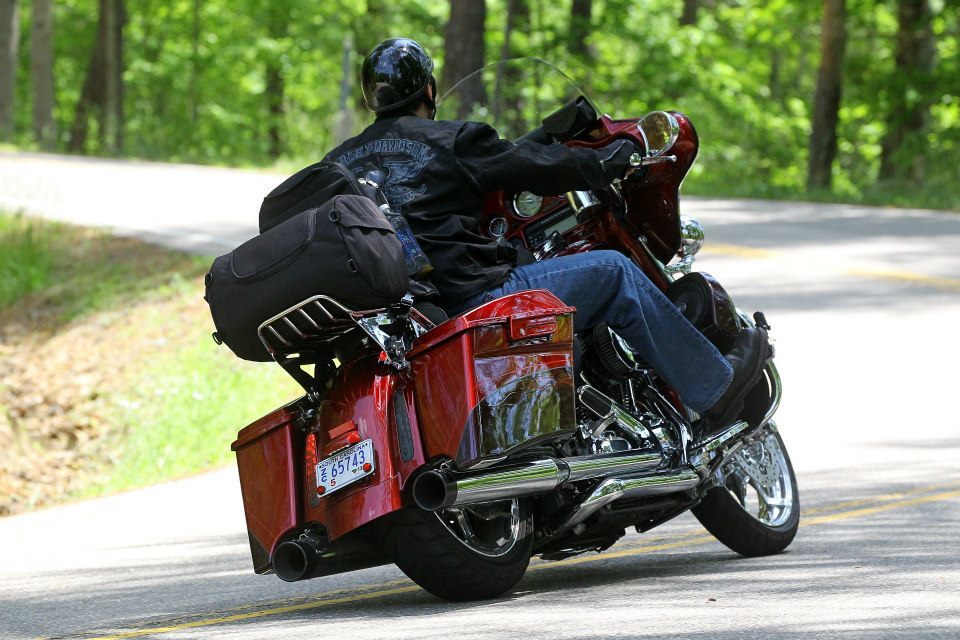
column 436, row 173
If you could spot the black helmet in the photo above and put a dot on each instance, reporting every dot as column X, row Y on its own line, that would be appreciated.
column 395, row 74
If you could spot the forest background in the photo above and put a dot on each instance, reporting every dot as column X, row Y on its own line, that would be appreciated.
column 849, row 100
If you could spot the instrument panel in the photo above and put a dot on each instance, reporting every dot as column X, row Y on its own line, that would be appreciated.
column 532, row 221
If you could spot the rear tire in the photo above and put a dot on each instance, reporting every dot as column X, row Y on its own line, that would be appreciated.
column 767, row 523
column 431, row 548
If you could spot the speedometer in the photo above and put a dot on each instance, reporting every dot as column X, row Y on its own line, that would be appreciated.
column 527, row 204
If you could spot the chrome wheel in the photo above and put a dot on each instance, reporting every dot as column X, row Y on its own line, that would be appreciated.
column 491, row 529
column 760, row 479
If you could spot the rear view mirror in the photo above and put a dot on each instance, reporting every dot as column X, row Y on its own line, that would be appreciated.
column 659, row 130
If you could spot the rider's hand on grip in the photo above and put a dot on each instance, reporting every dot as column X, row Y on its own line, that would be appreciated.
column 615, row 159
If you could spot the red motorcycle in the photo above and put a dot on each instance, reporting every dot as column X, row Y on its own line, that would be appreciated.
column 459, row 448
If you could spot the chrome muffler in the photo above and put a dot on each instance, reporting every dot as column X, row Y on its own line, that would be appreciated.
column 442, row 488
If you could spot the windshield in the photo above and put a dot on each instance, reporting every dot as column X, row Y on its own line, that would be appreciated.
column 513, row 96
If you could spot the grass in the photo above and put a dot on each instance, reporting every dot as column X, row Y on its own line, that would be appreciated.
column 70, row 272
column 26, row 259
column 181, row 415
column 114, row 336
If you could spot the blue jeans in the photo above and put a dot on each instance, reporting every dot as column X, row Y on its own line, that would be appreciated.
column 605, row 286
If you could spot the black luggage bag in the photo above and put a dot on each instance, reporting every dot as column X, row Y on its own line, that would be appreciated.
column 345, row 249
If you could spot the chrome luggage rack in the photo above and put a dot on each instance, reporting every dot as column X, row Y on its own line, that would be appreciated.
column 307, row 326
column 305, row 334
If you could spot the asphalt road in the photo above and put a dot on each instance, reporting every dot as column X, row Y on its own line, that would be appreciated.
column 865, row 305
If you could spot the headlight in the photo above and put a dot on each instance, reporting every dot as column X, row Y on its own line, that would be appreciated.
column 527, row 204
column 691, row 236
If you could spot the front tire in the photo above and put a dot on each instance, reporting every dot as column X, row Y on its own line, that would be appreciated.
column 474, row 552
column 757, row 511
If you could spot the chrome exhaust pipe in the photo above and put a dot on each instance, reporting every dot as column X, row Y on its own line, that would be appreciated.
column 442, row 488
column 613, row 489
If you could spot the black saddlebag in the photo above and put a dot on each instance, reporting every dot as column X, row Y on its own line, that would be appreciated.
column 308, row 188
column 344, row 249
column 323, row 180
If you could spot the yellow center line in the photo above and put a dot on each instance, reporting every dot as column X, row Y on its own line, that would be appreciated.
column 693, row 538
column 738, row 251
column 866, row 511
column 886, row 497
column 937, row 282
column 259, row 614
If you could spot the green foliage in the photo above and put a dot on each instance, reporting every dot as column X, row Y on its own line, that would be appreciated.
column 196, row 80
column 183, row 412
column 26, row 259
column 73, row 272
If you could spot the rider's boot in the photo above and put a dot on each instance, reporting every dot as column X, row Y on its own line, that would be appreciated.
column 748, row 356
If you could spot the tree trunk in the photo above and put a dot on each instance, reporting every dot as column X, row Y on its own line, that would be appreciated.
column 826, row 102
column 689, row 15
column 274, row 90
column 278, row 17
column 196, row 32
column 91, row 97
column 112, row 122
column 507, row 83
column 915, row 56
column 102, row 94
column 41, row 72
column 9, row 48
column 581, row 12
column 343, row 123
column 463, row 49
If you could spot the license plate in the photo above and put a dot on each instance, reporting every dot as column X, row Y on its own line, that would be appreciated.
column 345, row 467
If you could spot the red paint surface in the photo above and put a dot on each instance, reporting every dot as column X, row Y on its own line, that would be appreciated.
column 362, row 394
column 269, row 459
column 466, row 358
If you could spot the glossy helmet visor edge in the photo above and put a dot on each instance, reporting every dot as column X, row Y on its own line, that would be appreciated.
column 395, row 74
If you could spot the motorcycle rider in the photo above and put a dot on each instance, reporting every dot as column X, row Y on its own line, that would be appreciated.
column 436, row 174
